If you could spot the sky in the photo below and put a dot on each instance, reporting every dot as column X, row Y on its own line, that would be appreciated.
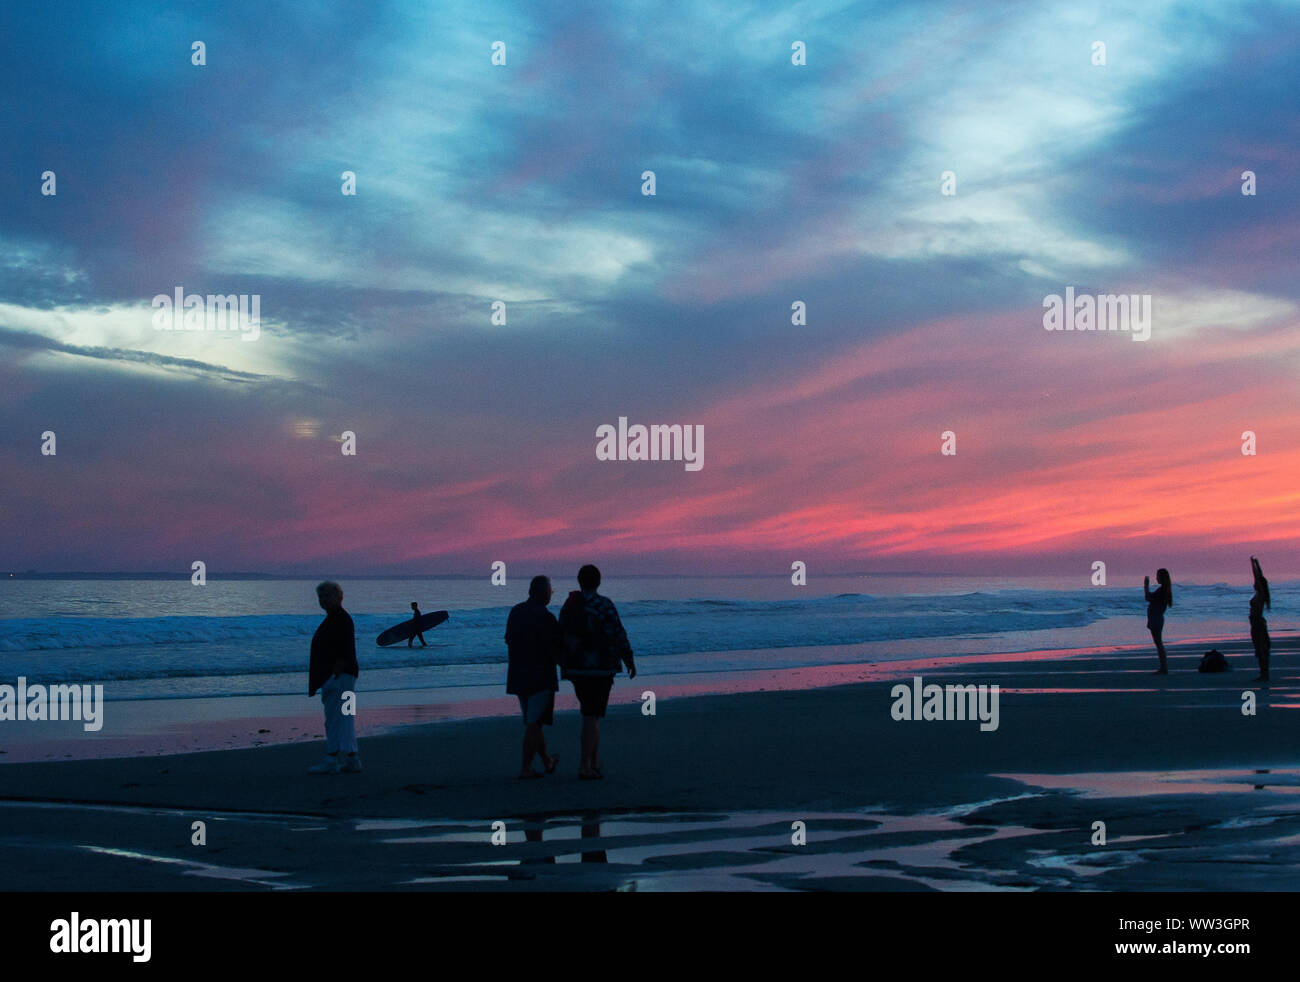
column 521, row 184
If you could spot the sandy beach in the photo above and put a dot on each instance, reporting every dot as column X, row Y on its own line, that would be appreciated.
column 705, row 793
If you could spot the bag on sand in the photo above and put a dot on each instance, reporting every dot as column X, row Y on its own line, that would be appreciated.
column 1213, row 661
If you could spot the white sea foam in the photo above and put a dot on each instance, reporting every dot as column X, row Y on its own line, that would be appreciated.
column 268, row 651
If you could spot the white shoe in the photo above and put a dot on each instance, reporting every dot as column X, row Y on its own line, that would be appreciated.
column 351, row 764
column 330, row 765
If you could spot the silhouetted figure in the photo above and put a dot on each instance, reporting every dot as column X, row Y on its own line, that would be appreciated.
column 1158, row 601
column 333, row 670
column 415, row 616
column 595, row 649
column 1260, row 600
column 533, row 644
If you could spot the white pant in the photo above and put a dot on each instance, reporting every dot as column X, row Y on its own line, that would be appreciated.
column 340, row 729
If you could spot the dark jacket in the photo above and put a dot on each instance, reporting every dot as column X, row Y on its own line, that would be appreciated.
column 335, row 639
column 594, row 640
column 533, row 643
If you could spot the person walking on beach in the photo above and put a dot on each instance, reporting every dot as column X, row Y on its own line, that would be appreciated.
column 333, row 670
column 595, row 648
column 1158, row 601
column 533, row 645
column 415, row 618
column 1260, row 600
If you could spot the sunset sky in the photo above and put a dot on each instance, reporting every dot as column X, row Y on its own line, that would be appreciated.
column 776, row 183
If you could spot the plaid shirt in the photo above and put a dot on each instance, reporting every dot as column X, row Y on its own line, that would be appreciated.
column 611, row 650
column 605, row 615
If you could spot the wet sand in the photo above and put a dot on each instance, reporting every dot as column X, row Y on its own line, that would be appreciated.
column 704, row 794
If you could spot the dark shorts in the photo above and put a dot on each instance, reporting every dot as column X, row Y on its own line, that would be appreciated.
column 593, row 693
column 538, row 707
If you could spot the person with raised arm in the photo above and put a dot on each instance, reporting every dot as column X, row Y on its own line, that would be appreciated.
column 1158, row 601
column 1259, row 601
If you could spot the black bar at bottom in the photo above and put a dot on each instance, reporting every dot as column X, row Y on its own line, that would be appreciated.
column 233, row 931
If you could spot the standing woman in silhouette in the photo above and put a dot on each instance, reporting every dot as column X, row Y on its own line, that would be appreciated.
column 1258, row 626
column 1157, row 602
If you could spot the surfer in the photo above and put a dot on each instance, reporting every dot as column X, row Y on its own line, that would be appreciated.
column 1258, row 626
column 595, row 649
column 1158, row 601
column 415, row 619
column 333, row 670
column 533, row 644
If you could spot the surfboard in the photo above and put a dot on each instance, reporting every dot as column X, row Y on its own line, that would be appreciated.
column 410, row 628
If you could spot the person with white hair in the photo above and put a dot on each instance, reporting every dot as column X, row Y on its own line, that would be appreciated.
column 333, row 670
column 533, row 648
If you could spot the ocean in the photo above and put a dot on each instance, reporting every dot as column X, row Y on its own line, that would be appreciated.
column 152, row 638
